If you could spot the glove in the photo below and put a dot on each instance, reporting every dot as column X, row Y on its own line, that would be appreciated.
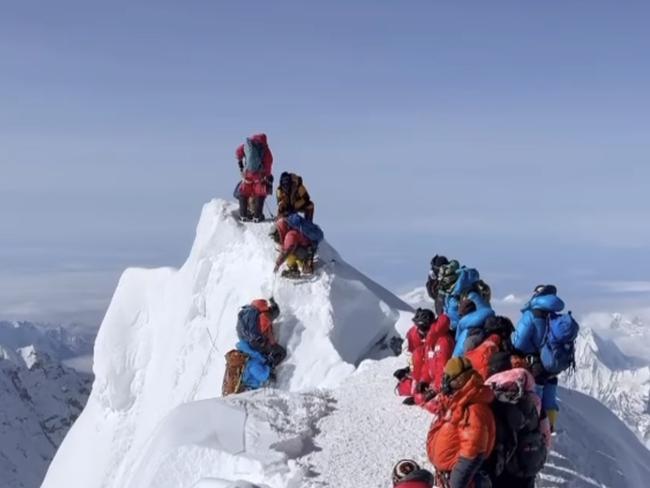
column 409, row 401
column 400, row 374
column 240, row 163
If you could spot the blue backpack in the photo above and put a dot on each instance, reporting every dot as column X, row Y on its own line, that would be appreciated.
column 254, row 155
column 313, row 232
column 558, row 347
column 257, row 371
column 247, row 325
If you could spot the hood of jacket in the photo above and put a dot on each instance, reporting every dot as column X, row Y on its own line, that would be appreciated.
column 439, row 328
column 259, row 138
column 546, row 303
column 472, row 392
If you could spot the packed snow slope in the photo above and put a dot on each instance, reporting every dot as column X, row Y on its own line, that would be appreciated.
column 350, row 436
column 370, row 429
column 39, row 398
column 163, row 340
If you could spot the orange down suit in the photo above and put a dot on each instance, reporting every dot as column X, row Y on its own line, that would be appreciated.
column 464, row 426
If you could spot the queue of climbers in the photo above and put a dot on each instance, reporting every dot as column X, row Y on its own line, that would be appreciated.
column 252, row 363
column 491, row 387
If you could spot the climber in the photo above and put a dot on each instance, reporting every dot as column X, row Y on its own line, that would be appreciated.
column 299, row 241
column 457, row 282
column 493, row 337
column 255, row 165
column 414, row 379
column 522, row 434
column 432, row 282
column 462, row 434
column 251, row 364
column 439, row 346
column 547, row 339
column 472, row 313
column 447, row 276
column 255, row 328
column 293, row 197
column 408, row 474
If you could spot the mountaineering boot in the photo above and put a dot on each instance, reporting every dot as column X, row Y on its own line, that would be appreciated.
column 258, row 209
column 409, row 401
column 244, row 214
column 292, row 272
column 552, row 419
column 308, row 266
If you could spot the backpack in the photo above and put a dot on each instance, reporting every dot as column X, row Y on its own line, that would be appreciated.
column 253, row 155
column 557, row 353
column 310, row 230
column 516, row 408
column 529, row 456
column 247, row 325
column 232, row 377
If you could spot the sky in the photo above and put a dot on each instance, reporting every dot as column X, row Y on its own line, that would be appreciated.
column 514, row 136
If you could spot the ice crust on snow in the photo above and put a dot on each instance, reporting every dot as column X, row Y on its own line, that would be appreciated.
column 153, row 419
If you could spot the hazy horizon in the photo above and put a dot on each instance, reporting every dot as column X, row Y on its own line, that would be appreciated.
column 511, row 136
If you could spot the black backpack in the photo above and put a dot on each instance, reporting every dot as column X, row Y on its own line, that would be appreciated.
column 521, row 447
column 247, row 326
column 529, row 456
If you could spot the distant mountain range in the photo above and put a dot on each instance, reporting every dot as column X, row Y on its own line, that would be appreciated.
column 40, row 397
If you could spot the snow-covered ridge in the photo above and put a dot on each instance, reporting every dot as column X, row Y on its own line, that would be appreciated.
column 154, row 418
column 40, row 397
column 154, row 353
column 618, row 381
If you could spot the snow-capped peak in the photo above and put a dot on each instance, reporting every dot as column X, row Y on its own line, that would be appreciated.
column 29, row 356
column 154, row 418
column 154, row 350
column 39, row 399
column 620, row 382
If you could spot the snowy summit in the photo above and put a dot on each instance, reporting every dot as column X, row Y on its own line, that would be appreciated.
column 155, row 419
